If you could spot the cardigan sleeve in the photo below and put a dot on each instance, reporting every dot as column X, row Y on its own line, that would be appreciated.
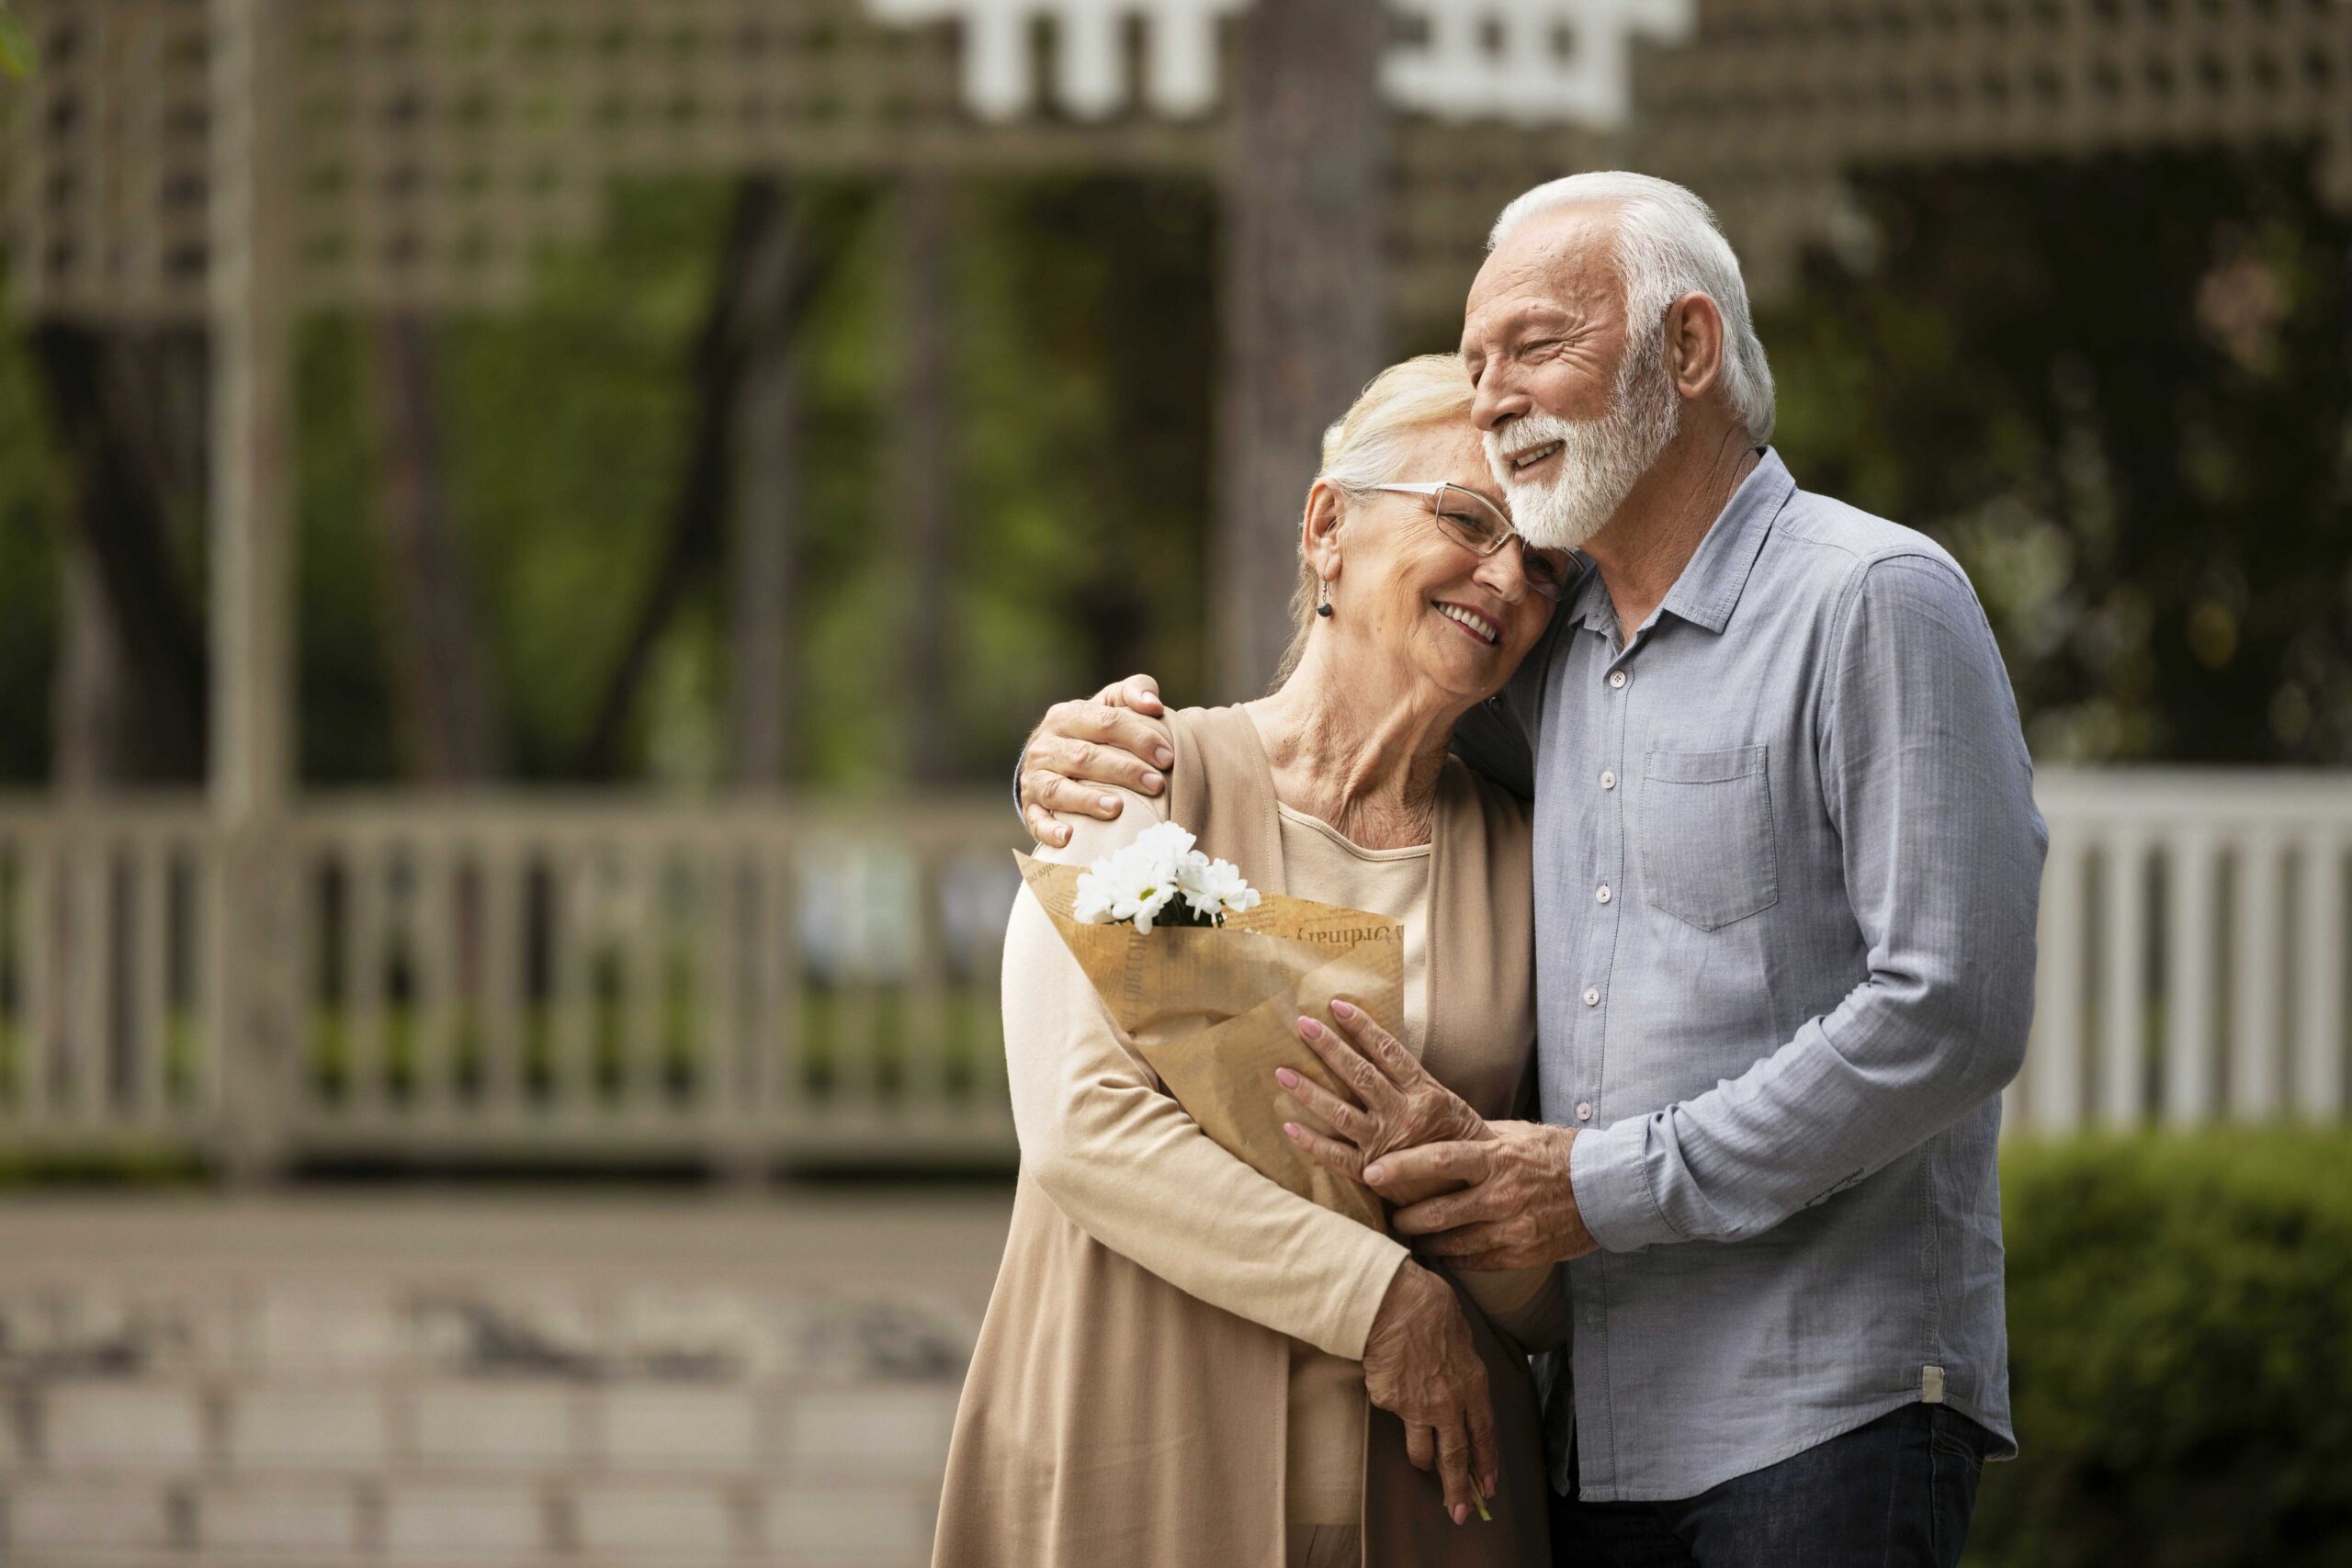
column 1130, row 1166
column 1529, row 1304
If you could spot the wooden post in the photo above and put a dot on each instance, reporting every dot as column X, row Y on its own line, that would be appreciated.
column 765, row 449
column 251, row 1022
column 922, row 487
column 1304, row 305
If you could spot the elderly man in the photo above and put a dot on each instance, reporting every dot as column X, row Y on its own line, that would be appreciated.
column 1787, row 862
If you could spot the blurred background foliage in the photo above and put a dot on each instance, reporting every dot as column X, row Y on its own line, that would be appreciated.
column 2180, row 1320
column 2117, row 389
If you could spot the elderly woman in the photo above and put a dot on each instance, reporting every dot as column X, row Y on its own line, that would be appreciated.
column 1178, row 1360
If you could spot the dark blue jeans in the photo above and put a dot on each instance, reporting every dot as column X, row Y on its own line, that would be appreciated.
column 1893, row 1493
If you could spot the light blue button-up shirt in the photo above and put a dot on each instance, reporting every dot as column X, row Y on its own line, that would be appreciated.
column 1787, row 860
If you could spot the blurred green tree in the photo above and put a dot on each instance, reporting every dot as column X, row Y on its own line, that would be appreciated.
column 2117, row 389
column 2121, row 391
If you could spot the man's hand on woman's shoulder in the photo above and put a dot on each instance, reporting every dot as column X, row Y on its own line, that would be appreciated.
column 1117, row 737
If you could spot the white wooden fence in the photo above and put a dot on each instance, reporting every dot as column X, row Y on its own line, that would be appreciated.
column 520, row 978
column 526, row 979
column 2194, row 950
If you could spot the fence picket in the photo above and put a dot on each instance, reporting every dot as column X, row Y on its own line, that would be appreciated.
column 715, row 1044
column 572, row 1003
column 2257, row 984
column 2123, row 991
column 2321, row 966
column 88, row 954
column 644, row 979
column 925, row 1029
column 497, row 992
column 783, row 1060
column 435, row 926
column 151, row 1001
column 35, row 903
column 367, row 864
column 2193, row 894
column 2055, row 1059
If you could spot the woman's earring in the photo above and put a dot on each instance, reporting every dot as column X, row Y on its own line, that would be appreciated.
column 1324, row 607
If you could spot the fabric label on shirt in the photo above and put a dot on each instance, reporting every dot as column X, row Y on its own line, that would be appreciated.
column 1931, row 1386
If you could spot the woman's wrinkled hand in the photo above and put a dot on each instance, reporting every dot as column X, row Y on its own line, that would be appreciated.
column 1420, row 1364
column 1396, row 1105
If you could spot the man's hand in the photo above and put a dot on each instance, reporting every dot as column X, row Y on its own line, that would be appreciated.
column 1517, row 1209
column 1419, row 1362
column 1100, row 742
column 1398, row 1105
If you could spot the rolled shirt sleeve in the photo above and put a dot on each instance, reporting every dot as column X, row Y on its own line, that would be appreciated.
column 1926, row 783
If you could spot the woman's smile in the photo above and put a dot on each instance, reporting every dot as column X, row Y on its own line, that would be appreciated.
column 1481, row 628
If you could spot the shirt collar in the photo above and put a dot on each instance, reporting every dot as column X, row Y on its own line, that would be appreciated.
column 1709, row 588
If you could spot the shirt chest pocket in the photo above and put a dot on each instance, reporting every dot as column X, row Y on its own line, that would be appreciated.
column 1708, row 856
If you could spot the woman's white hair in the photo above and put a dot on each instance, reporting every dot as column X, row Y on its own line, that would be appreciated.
column 1367, row 446
column 1668, row 245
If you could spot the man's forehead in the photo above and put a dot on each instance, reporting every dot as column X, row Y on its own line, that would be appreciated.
column 1562, row 260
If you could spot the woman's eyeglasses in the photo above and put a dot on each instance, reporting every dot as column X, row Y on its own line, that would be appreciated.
column 1479, row 526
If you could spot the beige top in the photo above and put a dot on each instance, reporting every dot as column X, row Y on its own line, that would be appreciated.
column 1326, row 1394
column 1325, row 1482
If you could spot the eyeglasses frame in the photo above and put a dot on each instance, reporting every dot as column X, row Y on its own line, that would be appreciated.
column 1434, row 490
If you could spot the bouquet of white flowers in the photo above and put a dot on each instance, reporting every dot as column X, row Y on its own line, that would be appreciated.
column 1161, row 879
column 1206, row 979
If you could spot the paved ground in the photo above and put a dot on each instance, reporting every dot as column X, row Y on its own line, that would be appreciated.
column 472, row 1379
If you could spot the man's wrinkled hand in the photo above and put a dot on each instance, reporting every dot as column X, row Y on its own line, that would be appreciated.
column 1396, row 1103
column 1109, row 739
column 1420, row 1364
column 1516, row 1208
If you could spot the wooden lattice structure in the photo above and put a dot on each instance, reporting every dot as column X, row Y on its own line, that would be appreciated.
column 428, row 149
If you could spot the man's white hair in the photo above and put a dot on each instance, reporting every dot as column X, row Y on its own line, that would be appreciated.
column 1668, row 245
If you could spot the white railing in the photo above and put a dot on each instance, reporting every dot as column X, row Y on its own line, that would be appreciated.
column 517, row 978
column 103, row 912
column 527, row 978
column 2194, row 950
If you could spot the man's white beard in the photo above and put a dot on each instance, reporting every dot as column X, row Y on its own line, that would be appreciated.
column 1601, row 459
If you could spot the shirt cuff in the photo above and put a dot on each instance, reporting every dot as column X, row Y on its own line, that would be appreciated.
column 1609, row 1173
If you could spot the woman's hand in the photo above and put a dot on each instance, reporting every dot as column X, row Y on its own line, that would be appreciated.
column 1419, row 1362
column 1398, row 1105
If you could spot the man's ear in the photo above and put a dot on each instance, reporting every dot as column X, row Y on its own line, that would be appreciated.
column 1319, row 528
column 1694, row 344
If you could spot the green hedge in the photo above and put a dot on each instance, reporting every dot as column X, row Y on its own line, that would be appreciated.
column 2180, row 1330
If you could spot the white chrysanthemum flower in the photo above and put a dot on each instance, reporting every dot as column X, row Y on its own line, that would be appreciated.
column 1164, row 844
column 1095, row 899
column 1214, row 888
column 1140, row 880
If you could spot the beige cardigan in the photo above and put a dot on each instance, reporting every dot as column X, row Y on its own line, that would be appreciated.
column 1128, row 1401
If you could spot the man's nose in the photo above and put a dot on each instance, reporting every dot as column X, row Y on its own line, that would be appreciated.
column 1496, row 402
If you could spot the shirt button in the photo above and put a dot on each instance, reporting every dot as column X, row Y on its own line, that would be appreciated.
column 1592, row 996
column 1617, row 679
column 1584, row 1111
column 1609, row 780
column 1601, row 893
